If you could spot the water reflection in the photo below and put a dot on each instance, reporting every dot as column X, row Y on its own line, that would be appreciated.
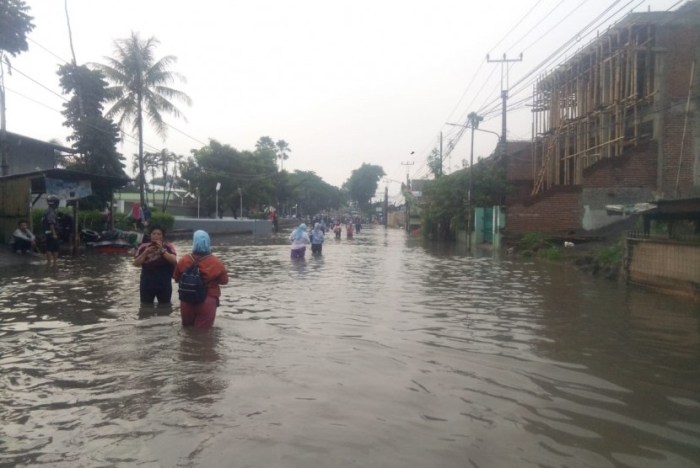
column 381, row 352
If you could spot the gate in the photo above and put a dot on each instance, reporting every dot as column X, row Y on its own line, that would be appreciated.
column 487, row 225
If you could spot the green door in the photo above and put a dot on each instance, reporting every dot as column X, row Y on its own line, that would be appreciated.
column 487, row 223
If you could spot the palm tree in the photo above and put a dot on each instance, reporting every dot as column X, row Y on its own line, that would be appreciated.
column 282, row 150
column 140, row 85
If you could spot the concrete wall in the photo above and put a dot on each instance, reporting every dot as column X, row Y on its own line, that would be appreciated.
column 224, row 226
column 664, row 265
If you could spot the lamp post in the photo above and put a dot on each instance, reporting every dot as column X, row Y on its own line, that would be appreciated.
column 218, row 186
column 474, row 120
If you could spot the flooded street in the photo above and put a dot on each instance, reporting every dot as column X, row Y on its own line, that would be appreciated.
column 384, row 352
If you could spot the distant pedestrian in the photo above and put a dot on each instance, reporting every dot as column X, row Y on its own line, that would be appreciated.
column 50, row 225
column 137, row 216
column 349, row 230
column 317, row 238
column 213, row 273
column 300, row 239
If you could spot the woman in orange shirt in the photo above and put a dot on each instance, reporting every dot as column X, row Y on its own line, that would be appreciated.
column 213, row 273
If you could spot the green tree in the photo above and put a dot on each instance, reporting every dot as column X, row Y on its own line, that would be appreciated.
column 312, row 194
column 94, row 136
column 15, row 25
column 444, row 203
column 233, row 169
column 362, row 184
column 140, row 87
column 167, row 164
column 435, row 162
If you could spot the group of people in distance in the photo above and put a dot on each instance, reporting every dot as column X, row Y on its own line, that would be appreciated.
column 160, row 265
column 301, row 237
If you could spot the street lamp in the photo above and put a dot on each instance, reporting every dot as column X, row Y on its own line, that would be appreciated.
column 218, row 186
column 474, row 120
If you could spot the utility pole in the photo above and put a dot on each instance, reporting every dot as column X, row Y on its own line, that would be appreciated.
column 408, row 190
column 408, row 181
column 441, row 172
column 504, row 94
column 386, row 206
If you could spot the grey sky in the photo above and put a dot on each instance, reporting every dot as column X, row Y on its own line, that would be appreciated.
column 343, row 82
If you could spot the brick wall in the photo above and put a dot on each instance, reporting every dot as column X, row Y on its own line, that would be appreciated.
column 681, row 41
column 636, row 168
column 557, row 212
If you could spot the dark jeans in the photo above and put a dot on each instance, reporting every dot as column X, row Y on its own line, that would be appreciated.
column 316, row 248
column 22, row 244
column 148, row 295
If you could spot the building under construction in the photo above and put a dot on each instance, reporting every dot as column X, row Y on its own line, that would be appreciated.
column 632, row 86
column 617, row 123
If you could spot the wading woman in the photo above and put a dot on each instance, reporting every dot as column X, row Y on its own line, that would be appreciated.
column 213, row 273
column 157, row 260
column 300, row 239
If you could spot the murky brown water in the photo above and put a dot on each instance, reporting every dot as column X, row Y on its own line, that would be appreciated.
column 382, row 353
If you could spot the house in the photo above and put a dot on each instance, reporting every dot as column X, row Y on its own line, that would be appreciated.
column 32, row 171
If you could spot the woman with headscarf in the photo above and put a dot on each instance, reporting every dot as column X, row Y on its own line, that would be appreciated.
column 213, row 273
column 300, row 239
column 317, row 238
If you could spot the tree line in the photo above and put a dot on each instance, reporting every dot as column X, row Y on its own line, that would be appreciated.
column 134, row 88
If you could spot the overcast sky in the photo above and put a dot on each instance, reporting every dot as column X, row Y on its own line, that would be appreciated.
column 343, row 82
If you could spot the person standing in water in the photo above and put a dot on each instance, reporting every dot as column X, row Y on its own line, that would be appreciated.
column 157, row 259
column 300, row 239
column 317, row 239
column 213, row 273
column 50, row 225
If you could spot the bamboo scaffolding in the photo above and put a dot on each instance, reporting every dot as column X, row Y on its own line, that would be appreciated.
column 592, row 107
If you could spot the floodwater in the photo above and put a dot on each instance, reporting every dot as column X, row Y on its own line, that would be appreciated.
column 384, row 352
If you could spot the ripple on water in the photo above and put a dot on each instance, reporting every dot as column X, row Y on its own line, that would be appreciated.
column 382, row 352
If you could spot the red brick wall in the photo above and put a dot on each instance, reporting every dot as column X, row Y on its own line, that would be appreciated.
column 636, row 168
column 559, row 211
column 681, row 42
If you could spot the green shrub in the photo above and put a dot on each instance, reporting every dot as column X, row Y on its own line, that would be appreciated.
column 533, row 241
column 611, row 256
column 551, row 253
column 92, row 219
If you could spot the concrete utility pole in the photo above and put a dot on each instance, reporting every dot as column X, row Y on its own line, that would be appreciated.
column 504, row 93
column 386, row 206
column 408, row 189
column 441, row 171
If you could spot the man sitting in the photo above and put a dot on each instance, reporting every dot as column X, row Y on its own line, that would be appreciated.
column 23, row 239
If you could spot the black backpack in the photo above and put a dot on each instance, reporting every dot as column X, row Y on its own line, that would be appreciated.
column 192, row 289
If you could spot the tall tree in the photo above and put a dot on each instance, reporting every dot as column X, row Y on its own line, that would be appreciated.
column 167, row 163
column 283, row 151
column 94, row 136
column 140, row 87
column 15, row 25
column 435, row 162
column 362, row 184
